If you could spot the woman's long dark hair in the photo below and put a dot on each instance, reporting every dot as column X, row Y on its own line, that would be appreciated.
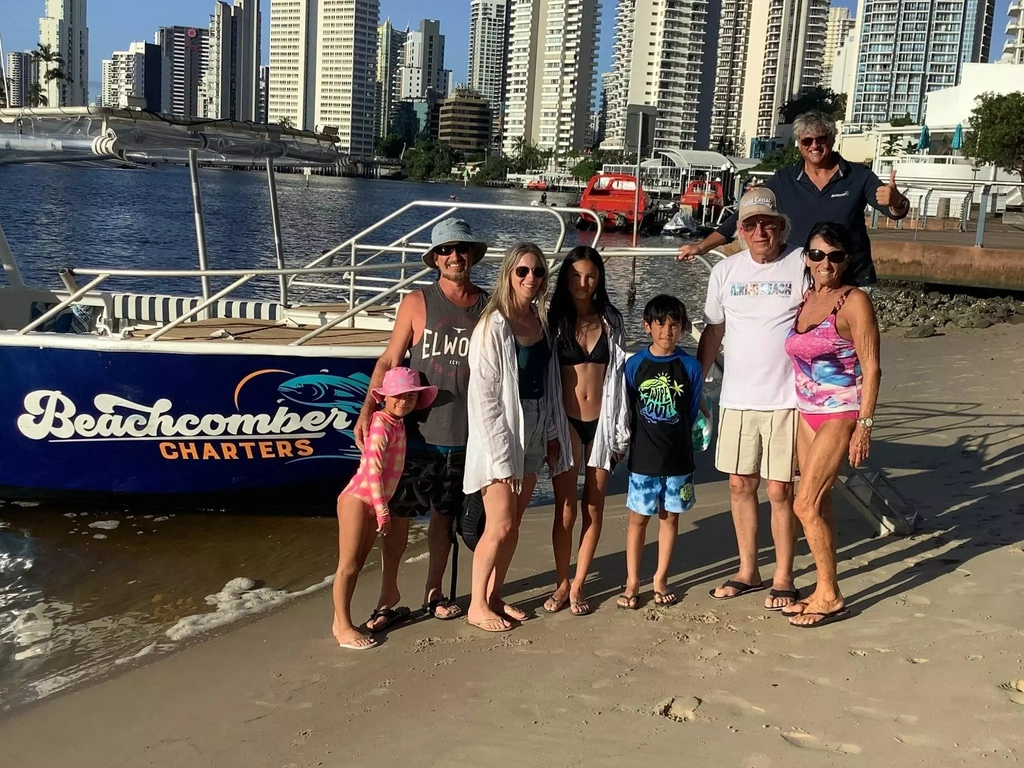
column 562, row 309
column 837, row 236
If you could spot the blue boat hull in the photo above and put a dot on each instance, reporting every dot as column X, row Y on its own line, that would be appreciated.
column 224, row 429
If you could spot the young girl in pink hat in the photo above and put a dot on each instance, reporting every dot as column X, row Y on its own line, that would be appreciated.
column 363, row 505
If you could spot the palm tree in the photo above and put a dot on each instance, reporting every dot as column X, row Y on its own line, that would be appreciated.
column 35, row 96
column 286, row 122
column 53, row 67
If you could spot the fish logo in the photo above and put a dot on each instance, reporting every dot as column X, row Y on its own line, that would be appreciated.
column 320, row 390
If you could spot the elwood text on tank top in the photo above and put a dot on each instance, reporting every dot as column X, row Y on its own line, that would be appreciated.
column 442, row 357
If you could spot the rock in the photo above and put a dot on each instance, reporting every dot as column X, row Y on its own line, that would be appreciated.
column 981, row 322
column 1015, row 319
column 922, row 331
column 951, row 326
column 965, row 322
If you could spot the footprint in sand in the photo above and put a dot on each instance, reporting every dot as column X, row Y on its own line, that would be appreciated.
column 751, row 651
column 807, row 741
column 858, row 653
column 918, row 600
column 735, row 705
column 1016, row 689
column 917, row 660
column 878, row 714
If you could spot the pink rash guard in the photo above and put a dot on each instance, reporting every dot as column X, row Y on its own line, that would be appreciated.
column 381, row 464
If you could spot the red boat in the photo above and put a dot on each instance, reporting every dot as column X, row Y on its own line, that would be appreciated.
column 611, row 196
column 701, row 192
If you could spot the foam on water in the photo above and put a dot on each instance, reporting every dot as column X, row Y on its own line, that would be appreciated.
column 106, row 525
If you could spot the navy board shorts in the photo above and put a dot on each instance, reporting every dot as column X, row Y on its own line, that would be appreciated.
column 432, row 479
column 649, row 494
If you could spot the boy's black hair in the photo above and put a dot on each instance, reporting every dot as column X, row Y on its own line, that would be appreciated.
column 664, row 307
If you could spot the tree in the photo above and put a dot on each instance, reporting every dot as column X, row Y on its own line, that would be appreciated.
column 817, row 99
column 35, row 96
column 996, row 132
column 389, row 146
column 495, row 168
column 53, row 68
column 585, row 170
column 429, row 160
column 286, row 122
column 776, row 160
column 900, row 122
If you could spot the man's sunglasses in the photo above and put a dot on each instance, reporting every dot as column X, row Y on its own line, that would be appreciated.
column 809, row 140
column 538, row 272
column 835, row 257
column 447, row 250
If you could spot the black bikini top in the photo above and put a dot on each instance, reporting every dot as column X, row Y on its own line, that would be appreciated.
column 570, row 352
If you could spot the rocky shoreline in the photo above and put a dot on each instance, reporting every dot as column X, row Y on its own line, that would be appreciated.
column 922, row 311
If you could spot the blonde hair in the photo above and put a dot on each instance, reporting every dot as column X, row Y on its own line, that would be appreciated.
column 501, row 297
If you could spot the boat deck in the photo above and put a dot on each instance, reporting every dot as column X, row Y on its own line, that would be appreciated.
column 227, row 330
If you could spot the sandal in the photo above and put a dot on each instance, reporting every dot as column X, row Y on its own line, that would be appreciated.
column 491, row 625
column 628, row 602
column 786, row 594
column 739, row 586
column 391, row 617
column 665, row 599
column 442, row 602
column 580, row 608
column 554, row 606
column 826, row 618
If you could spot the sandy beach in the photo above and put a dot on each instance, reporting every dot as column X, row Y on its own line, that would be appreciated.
column 929, row 669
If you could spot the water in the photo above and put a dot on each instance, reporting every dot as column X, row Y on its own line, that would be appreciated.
column 78, row 599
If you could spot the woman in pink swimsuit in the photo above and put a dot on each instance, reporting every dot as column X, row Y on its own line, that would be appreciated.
column 363, row 505
column 834, row 348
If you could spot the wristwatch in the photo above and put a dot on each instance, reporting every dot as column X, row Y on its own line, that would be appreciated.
column 866, row 421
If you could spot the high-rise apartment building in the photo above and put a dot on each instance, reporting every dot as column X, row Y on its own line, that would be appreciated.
column 230, row 87
column 390, row 46
column 908, row 48
column 837, row 29
column 464, row 122
column 1013, row 48
column 323, row 68
column 64, row 29
column 133, row 78
column 768, row 53
column 552, row 61
column 262, row 91
column 423, row 62
column 21, row 71
column 488, row 51
column 658, row 61
column 184, row 56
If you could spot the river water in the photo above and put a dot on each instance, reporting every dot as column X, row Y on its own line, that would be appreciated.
column 85, row 592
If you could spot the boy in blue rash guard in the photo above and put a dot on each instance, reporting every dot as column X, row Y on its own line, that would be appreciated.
column 664, row 386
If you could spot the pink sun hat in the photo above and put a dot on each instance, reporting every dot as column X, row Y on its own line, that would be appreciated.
column 399, row 381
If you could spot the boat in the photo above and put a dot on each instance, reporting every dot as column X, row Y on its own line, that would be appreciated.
column 681, row 223
column 612, row 198
column 205, row 399
column 703, row 198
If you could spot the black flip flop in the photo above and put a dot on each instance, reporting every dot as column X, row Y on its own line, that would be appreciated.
column 442, row 602
column 391, row 616
column 742, row 588
column 792, row 594
column 827, row 618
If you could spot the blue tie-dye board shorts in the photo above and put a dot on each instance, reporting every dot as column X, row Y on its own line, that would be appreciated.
column 649, row 494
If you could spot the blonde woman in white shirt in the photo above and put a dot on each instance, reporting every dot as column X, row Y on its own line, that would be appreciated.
column 516, row 423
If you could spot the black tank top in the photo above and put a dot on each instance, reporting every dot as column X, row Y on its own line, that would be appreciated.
column 442, row 358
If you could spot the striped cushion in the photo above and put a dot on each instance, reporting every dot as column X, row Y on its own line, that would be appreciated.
column 162, row 309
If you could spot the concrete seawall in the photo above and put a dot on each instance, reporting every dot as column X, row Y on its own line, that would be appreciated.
column 934, row 262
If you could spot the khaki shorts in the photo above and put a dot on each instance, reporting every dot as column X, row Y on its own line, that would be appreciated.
column 757, row 442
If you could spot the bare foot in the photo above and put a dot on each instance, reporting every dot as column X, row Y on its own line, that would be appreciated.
column 558, row 599
column 511, row 612
column 818, row 611
column 578, row 604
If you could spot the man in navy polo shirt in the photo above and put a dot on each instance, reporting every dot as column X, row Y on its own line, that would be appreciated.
column 822, row 187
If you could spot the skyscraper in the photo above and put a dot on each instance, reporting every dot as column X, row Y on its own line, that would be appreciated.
column 133, row 78
column 293, row 51
column 231, row 81
column 390, row 45
column 908, row 48
column 1013, row 48
column 659, row 61
column 64, row 29
column 768, row 53
column 183, row 61
column 837, row 29
column 423, row 62
column 21, row 72
column 552, row 62
column 262, row 92
column 488, row 51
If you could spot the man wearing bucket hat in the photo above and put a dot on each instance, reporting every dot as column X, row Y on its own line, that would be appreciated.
column 753, row 298
column 433, row 327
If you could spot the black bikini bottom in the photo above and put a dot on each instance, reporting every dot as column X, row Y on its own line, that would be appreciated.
column 585, row 429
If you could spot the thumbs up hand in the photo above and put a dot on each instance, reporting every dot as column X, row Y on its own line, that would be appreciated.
column 889, row 196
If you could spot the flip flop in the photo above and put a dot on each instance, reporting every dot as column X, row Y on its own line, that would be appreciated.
column 741, row 588
column 802, row 603
column 559, row 605
column 665, row 599
column 790, row 594
column 826, row 618
column 580, row 608
column 391, row 617
column 442, row 602
column 632, row 602
column 358, row 647
column 510, row 617
column 491, row 625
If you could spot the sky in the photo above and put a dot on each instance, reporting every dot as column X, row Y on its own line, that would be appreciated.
column 114, row 24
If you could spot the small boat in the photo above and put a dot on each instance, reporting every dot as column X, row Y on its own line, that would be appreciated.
column 611, row 197
column 702, row 194
column 537, row 184
column 681, row 223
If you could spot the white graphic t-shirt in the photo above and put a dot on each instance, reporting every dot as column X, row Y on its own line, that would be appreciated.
column 758, row 304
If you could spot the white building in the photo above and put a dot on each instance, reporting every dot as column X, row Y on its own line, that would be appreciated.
column 488, row 51
column 950, row 106
column 837, row 30
column 230, row 88
column 658, row 61
column 552, row 63
column 64, row 29
column 423, row 62
column 768, row 53
column 323, row 65
column 124, row 77
column 390, row 47
column 183, row 62
column 1013, row 48
column 844, row 67
column 21, row 71
column 908, row 48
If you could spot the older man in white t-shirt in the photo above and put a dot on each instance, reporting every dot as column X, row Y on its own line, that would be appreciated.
column 753, row 298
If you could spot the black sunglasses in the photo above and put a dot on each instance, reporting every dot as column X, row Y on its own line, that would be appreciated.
column 538, row 272
column 447, row 250
column 808, row 140
column 835, row 257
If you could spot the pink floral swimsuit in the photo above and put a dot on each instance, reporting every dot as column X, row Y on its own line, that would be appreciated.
column 381, row 464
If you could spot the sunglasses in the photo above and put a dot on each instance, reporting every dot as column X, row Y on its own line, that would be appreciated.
column 538, row 272
column 834, row 257
column 447, row 250
column 809, row 140
column 766, row 226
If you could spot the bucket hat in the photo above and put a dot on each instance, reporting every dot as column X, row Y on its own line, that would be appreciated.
column 453, row 231
column 399, row 381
